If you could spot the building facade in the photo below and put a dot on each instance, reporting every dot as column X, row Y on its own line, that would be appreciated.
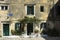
column 13, row 10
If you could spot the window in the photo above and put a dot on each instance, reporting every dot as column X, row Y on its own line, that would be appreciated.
column 43, row 25
column 4, row 7
column 30, row 10
column 42, row 8
column 17, row 26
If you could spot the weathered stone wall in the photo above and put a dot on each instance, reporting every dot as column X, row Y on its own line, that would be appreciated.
column 17, row 8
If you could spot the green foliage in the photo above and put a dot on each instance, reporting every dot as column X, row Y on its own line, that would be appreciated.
column 13, row 32
column 30, row 20
column 36, row 31
column 0, row 36
column 16, row 32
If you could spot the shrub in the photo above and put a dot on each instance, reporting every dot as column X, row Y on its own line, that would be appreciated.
column 36, row 30
column 16, row 32
column 13, row 32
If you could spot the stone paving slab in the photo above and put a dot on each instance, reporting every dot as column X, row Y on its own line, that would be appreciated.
column 22, row 38
column 35, row 38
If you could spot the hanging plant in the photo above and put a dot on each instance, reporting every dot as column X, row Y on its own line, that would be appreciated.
column 36, row 30
column 30, row 20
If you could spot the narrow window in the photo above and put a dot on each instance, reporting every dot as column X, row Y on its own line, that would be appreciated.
column 43, row 25
column 17, row 26
column 42, row 8
column 4, row 7
column 30, row 10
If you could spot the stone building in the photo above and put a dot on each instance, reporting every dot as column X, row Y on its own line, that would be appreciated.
column 13, row 10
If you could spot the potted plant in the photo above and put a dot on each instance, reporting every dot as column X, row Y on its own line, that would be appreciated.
column 36, row 30
column 13, row 32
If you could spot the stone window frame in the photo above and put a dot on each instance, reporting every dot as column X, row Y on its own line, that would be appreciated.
column 4, row 6
column 42, row 4
column 18, row 25
column 42, row 8
column 26, row 9
column 40, row 23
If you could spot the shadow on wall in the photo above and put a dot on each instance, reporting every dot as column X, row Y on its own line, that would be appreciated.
column 53, row 21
